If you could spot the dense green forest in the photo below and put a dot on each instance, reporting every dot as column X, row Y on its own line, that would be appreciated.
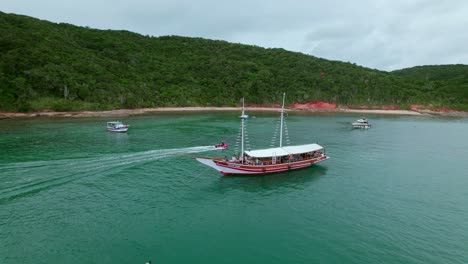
column 45, row 65
column 451, row 80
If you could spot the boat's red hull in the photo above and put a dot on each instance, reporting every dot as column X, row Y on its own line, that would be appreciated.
column 230, row 168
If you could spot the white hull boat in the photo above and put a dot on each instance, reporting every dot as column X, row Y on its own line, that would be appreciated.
column 116, row 126
column 361, row 123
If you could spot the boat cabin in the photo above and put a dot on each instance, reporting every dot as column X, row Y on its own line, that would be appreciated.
column 289, row 154
column 115, row 124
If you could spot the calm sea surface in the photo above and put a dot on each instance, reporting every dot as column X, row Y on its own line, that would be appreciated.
column 70, row 192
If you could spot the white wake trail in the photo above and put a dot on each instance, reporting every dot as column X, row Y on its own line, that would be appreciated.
column 26, row 177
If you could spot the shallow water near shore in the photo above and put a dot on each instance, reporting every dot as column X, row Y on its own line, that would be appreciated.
column 70, row 192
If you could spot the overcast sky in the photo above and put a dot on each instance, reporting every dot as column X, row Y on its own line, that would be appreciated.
column 382, row 34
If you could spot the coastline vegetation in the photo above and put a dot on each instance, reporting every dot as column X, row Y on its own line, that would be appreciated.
column 62, row 67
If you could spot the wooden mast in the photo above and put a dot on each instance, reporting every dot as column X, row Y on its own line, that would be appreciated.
column 242, row 131
column 281, row 126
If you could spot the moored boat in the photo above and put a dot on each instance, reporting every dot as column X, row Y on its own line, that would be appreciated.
column 116, row 126
column 270, row 160
column 361, row 123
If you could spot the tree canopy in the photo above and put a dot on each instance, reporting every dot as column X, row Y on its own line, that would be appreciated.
column 45, row 65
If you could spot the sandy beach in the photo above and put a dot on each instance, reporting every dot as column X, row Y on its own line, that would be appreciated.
column 130, row 112
column 126, row 112
column 381, row 112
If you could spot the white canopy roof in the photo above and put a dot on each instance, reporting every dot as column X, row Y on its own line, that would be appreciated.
column 284, row 151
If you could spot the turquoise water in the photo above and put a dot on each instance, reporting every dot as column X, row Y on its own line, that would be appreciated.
column 72, row 193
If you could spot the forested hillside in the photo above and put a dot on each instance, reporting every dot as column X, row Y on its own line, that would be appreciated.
column 44, row 65
column 435, row 72
column 447, row 79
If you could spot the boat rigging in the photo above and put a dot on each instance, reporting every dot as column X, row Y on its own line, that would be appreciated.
column 264, row 161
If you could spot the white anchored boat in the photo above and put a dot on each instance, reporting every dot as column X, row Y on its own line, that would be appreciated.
column 270, row 160
column 116, row 126
column 361, row 123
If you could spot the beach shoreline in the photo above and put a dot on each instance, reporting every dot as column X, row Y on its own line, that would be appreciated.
column 140, row 111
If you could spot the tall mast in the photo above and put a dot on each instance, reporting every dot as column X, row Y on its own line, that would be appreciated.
column 281, row 126
column 242, row 130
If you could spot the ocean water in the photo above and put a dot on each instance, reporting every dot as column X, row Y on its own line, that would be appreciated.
column 70, row 192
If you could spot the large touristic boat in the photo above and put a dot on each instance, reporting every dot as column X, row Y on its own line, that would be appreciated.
column 271, row 160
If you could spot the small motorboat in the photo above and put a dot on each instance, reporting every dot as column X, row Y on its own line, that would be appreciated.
column 361, row 123
column 116, row 126
column 222, row 145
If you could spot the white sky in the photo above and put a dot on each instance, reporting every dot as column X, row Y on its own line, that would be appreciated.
column 382, row 34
